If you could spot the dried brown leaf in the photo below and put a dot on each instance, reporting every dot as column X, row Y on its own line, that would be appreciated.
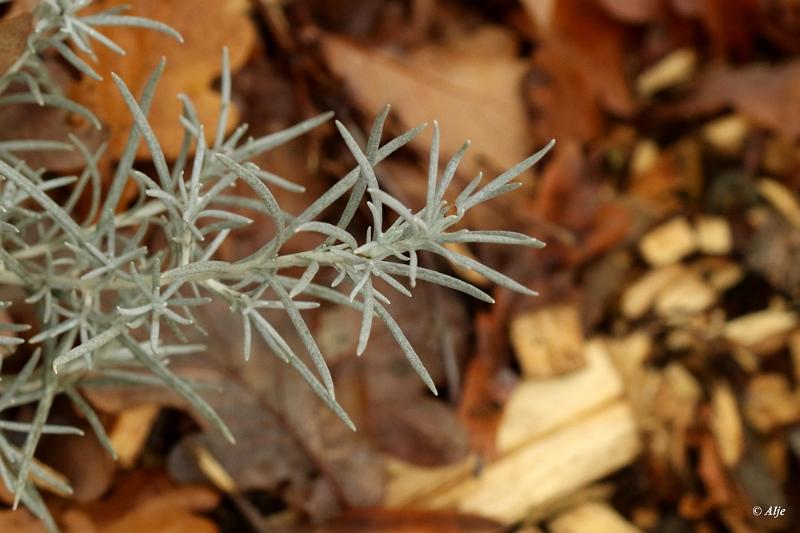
column 470, row 84
column 580, row 72
column 766, row 94
column 191, row 66
column 145, row 501
column 13, row 37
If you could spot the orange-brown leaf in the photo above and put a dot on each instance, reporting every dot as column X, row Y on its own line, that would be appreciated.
column 206, row 26
column 13, row 36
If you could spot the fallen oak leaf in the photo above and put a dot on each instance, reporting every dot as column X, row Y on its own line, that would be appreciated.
column 145, row 500
column 471, row 84
column 192, row 66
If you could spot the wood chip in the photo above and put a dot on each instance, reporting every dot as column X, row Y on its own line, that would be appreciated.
column 781, row 199
column 410, row 484
column 668, row 243
column 592, row 516
column 747, row 360
column 672, row 410
column 630, row 353
column 726, row 133
column 537, row 407
column 213, row 470
column 13, row 38
column 723, row 277
column 794, row 350
column 762, row 331
column 713, row 235
column 673, row 69
column 771, row 403
column 129, row 432
column 776, row 454
column 548, row 341
column 553, row 466
column 682, row 384
column 638, row 298
column 688, row 294
column 726, row 425
column 644, row 157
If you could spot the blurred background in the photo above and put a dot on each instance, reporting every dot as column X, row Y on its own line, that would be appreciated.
column 653, row 384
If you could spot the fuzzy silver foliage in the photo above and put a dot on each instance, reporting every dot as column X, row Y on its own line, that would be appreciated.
column 103, row 297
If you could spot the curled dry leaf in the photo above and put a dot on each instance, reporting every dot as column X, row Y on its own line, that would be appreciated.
column 145, row 501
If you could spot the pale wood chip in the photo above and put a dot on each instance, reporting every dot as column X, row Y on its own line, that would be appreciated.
column 688, row 294
column 762, row 331
column 639, row 296
column 592, row 516
column 726, row 424
column 781, row 199
column 771, row 403
column 714, row 235
column 669, row 242
column 539, row 406
column 673, row 69
column 727, row 133
column 549, row 468
column 548, row 341
column 129, row 432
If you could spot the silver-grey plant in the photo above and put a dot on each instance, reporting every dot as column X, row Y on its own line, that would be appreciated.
column 103, row 297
